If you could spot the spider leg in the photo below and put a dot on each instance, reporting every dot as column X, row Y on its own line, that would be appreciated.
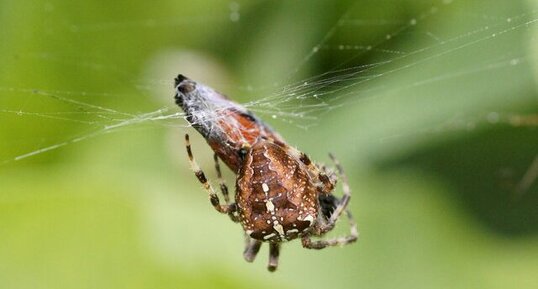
column 214, row 199
column 251, row 249
column 224, row 188
column 329, row 173
column 222, row 184
column 274, row 252
column 340, row 241
column 342, row 206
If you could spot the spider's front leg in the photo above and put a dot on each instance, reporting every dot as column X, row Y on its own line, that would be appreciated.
column 323, row 227
column 213, row 198
column 344, row 201
column 340, row 241
column 345, row 187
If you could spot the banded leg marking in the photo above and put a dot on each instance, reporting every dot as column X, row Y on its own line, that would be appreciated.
column 213, row 198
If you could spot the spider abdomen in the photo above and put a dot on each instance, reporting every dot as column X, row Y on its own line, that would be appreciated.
column 276, row 198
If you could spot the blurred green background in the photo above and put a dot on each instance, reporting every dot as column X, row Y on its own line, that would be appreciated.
column 432, row 110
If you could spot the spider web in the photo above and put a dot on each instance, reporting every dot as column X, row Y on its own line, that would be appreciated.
column 443, row 53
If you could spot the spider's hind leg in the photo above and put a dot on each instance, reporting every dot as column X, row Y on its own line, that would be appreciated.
column 213, row 198
column 224, row 189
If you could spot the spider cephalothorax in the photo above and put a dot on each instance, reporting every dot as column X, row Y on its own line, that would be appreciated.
column 280, row 194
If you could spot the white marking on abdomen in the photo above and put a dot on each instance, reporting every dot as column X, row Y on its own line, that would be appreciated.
column 279, row 229
column 292, row 231
column 270, row 206
column 309, row 218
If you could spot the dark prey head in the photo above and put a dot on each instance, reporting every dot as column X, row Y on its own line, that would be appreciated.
column 183, row 85
column 328, row 203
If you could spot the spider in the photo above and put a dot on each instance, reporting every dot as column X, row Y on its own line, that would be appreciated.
column 280, row 194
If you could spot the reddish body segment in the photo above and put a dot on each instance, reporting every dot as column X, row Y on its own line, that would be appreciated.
column 229, row 128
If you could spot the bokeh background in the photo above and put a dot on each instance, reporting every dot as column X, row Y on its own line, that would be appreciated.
column 431, row 106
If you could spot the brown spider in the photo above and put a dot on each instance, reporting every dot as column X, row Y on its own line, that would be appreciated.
column 280, row 194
